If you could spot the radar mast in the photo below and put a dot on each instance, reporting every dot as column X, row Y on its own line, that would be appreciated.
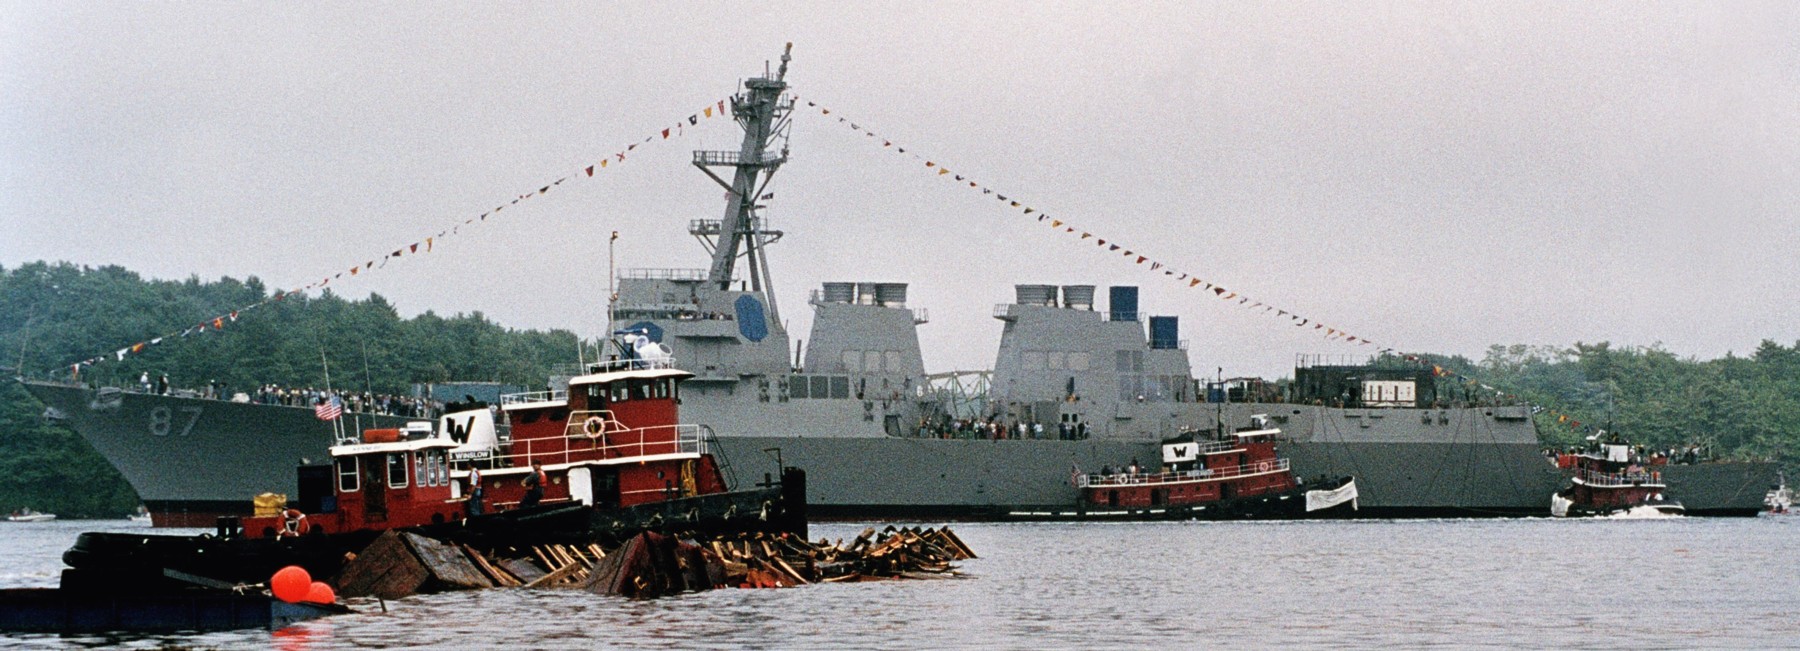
column 765, row 117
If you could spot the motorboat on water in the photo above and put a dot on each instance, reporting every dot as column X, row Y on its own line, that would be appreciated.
column 28, row 515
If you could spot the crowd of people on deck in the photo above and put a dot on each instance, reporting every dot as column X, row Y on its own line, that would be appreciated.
column 995, row 428
column 1691, row 453
column 364, row 402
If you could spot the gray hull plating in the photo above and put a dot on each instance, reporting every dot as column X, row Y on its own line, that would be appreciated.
column 213, row 456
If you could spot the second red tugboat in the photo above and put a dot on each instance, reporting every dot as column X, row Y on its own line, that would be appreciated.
column 1607, row 479
column 1236, row 475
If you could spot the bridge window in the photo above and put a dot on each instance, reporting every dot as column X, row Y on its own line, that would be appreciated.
column 620, row 392
column 663, row 388
column 396, row 470
column 346, row 475
column 419, row 469
column 640, row 389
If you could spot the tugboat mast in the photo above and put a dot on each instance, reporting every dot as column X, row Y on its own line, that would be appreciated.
column 741, row 233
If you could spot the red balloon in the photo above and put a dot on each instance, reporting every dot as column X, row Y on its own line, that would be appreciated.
column 290, row 584
column 320, row 593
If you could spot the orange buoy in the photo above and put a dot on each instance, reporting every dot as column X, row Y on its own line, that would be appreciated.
column 320, row 593
column 290, row 584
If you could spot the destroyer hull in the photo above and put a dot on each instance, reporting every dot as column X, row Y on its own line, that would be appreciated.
column 192, row 460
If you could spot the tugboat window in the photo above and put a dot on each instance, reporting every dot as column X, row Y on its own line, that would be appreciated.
column 620, row 393
column 346, row 471
column 419, row 469
column 396, row 470
column 664, row 388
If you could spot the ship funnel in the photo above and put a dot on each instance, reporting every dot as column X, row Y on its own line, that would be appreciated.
column 1123, row 303
column 474, row 429
column 1165, row 334
column 1036, row 294
column 865, row 293
column 1078, row 297
column 890, row 294
column 838, row 293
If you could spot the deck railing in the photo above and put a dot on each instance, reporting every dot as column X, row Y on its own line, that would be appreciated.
column 1201, row 474
column 1618, row 479
column 660, row 439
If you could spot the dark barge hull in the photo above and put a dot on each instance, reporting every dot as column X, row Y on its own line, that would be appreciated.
column 51, row 610
column 233, row 558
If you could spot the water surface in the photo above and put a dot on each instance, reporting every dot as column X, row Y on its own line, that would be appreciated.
column 1531, row 583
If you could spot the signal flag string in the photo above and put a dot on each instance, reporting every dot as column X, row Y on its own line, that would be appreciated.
column 1066, row 227
column 421, row 246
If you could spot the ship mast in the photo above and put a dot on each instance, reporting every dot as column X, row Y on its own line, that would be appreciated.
column 764, row 116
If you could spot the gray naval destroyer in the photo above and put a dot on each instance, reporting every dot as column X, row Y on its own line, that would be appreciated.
column 1072, row 387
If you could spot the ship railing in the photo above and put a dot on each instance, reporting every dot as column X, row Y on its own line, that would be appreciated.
column 1619, row 479
column 622, row 445
column 1218, row 446
column 731, row 157
column 717, row 226
column 1207, row 474
column 555, row 395
column 617, row 365
column 664, row 274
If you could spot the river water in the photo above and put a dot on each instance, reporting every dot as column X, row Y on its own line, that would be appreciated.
column 1529, row 583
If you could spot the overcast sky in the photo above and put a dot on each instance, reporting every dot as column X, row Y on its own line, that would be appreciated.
column 1433, row 176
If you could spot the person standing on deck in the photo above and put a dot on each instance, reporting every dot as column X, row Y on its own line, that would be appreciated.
column 534, row 486
column 475, row 491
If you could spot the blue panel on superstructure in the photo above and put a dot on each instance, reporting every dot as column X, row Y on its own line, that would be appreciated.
column 648, row 329
column 751, row 323
column 1164, row 334
column 1123, row 303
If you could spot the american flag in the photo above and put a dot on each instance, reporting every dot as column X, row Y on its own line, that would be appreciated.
column 329, row 409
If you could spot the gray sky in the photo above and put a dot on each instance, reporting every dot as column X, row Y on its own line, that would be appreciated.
column 1433, row 176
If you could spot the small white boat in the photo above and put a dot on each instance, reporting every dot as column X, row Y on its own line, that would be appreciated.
column 28, row 515
column 140, row 515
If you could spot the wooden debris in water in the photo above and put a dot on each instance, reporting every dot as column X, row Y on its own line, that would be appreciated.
column 651, row 565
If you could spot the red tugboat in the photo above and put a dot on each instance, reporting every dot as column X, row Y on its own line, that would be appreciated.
column 610, row 441
column 1231, row 476
column 608, row 453
column 1606, row 479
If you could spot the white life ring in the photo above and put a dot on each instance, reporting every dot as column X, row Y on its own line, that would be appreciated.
column 1262, row 466
column 594, row 426
column 293, row 523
